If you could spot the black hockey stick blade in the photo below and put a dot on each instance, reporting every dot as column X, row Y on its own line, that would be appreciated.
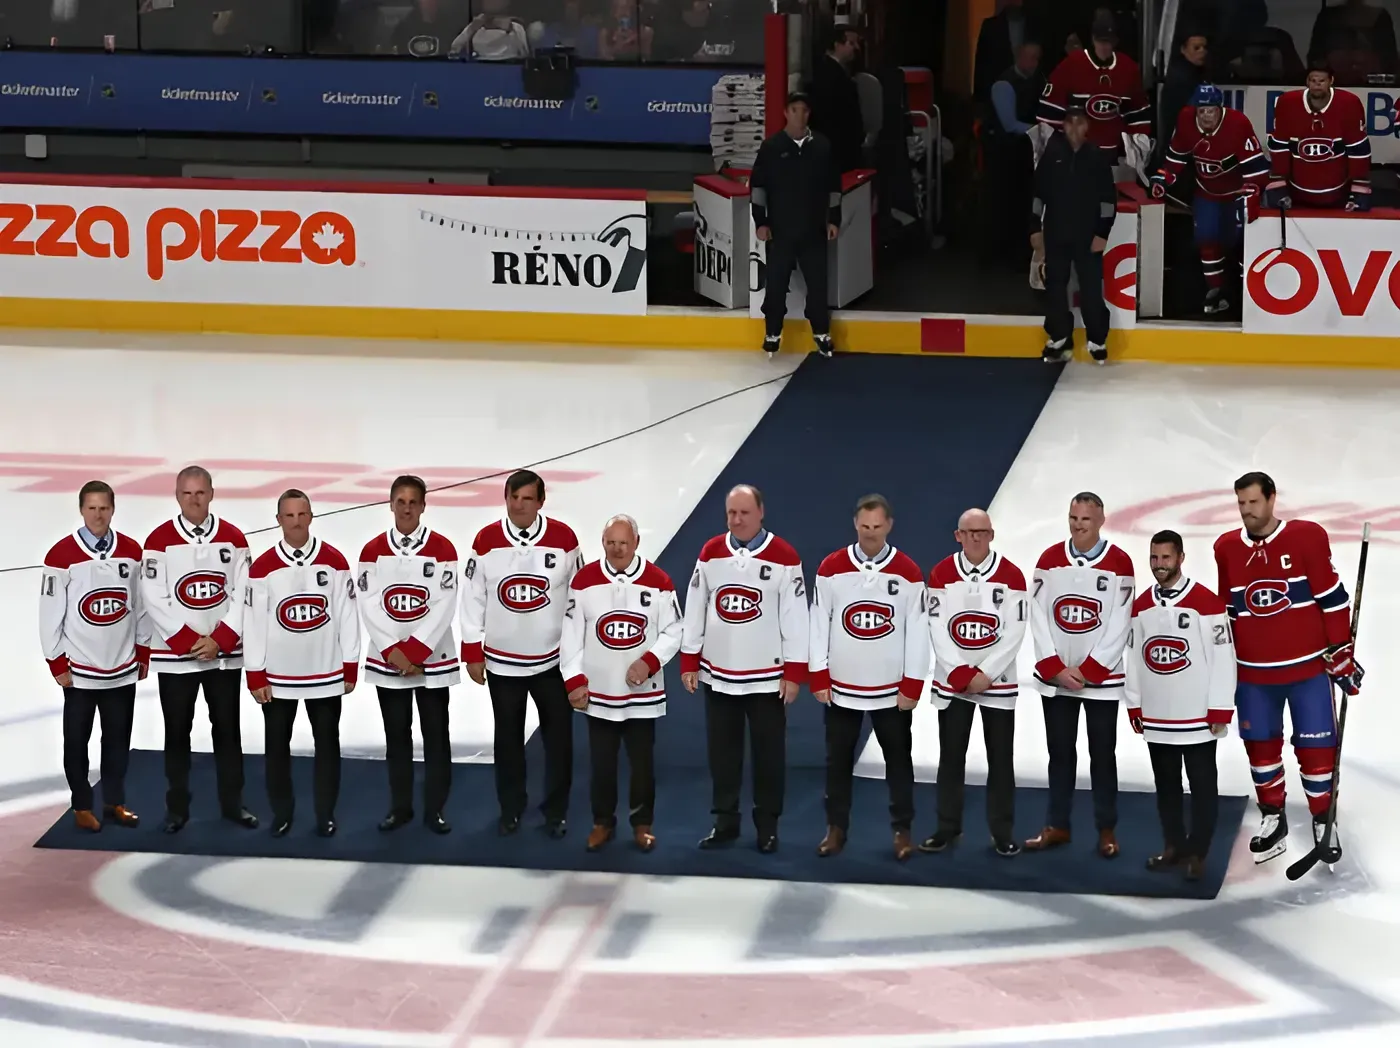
column 1315, row 855
column 1282, row 227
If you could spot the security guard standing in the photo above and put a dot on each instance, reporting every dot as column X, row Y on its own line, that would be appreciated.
column 1072, row 215
column 796, row 194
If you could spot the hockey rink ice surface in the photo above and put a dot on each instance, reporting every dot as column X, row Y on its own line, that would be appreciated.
column 100, row 950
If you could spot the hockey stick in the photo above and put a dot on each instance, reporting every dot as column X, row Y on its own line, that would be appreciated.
column 1308, row 861
column 1282, row 228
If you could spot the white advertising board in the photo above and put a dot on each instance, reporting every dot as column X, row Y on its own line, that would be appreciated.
column 297, row 247
column 722, row 225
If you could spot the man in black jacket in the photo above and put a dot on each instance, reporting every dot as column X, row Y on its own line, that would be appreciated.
column 796, row 195
column 1071, row 216
column 835, row 100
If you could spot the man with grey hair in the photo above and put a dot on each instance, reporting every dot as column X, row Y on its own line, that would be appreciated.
column 746, row 641
column 194, row 569
column 1081, row 616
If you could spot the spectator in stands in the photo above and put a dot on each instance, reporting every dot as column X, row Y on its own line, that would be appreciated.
column 998, row 44
column 1356, row 39
column 623, row 37
column 697, row 32
column 429, row 28
column 1009, row 157
column 835, row 100
column 1185, row 72
column 493, row 35
column 574, row 28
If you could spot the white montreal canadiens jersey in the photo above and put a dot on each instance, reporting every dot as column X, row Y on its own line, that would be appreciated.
column 408, row 599
column 746, row 617
column 302, row 628
column 1082, row 610
column 977, row 618
column 868, row 642
column 90, row 621
column 615, row 618
column 1181, row 664
column 514, row 594
column 192, row 579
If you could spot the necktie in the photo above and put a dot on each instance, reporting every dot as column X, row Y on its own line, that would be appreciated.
column 102, row 544
column 199, row 530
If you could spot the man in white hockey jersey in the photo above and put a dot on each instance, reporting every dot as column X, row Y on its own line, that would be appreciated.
column 978, row 612
column 868, row 647
column 514, row 594
column 97, row 645
column 746, row 641
column 407, row 578
column 622, row 626
column 1181, row 698
column 301, row 644
column 1082, row 605
column 194, row 568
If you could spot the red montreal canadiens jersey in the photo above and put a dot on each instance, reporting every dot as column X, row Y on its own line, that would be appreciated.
column 1285, row 598
column 1082, row 609
column 746, row 617
column 90, row 621
column 514, row 593
column 1228, row 161
column 868, row 638
column 408, row 599
column 614, row 619
column 1181, row 664
column 1323, row 155
column 977, row 615
column 192, row 579
column 1111, row 95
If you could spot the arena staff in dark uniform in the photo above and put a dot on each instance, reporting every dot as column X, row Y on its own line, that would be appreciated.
column 1071, row 216
column 796, row 194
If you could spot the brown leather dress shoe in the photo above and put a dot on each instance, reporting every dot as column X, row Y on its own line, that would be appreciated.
column 903, row 845
column 832, row 843
column 644, row 838
column 1050, row 837
column 1108, row 844
column 86, row 820
column 1195, row 868
column 1168, row 860
column 121, row 815
column 599, row 836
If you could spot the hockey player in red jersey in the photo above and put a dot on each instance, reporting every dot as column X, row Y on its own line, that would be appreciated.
column 1320, row 154
column 1292, row 621
column 1106, row 84
column 1230, row 172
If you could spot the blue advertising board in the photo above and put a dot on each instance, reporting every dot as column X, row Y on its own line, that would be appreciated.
column 348, row 97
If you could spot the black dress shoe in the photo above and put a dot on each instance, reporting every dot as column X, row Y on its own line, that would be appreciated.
column 718, row 838
column 173, row 823
column 325, row 828
column 242, row 817
column 437, row 823
column 394, row 820
column 768, row 843
column 508, row 825
column 281, row 829
column 556, row 828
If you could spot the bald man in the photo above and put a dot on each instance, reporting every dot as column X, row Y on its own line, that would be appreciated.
column 978, row 611
column 745, row 640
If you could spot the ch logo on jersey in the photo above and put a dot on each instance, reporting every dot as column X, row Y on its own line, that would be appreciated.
column 303, row 612
column 1266, row 597
column 1165, row 654
column 404, row 602
column 1316, row 149
column 974, row 630
column 736, row 604
column 868, row 620
column 1076, row 614
column 620, row 630
column 522, row 593
column 200, row 590
column 1102, row 107
column 103, row 607
column 1209, row 168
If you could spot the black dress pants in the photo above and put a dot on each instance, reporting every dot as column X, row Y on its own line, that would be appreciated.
column 606, row 738
column 179, row 692
column 1062, row 740
column 1199, row 759
column 726, row 716
column 396, row 707
column 999, row 737
column 1088, row 266
column 116, row 707
column 783, row 256
column 509, row 696
column 894, row 730
column 278, row 717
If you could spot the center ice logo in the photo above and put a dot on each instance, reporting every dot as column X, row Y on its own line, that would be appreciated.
column 303, row 612
column 736, row 604
column 103, row 607
column 522, row 593
column 1076, row 614
column 405, row 602
column 200, row 590
column 1165, row 654
column 1267, row 597
column 620, row 630
column 868, row 620
column 974, row 630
